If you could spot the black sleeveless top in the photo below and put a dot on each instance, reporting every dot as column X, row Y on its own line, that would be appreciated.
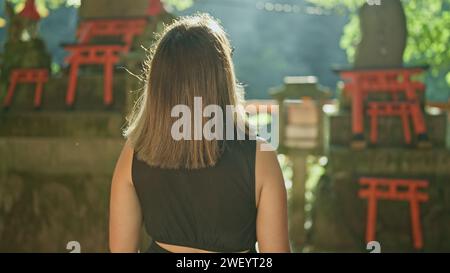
column 212, row 209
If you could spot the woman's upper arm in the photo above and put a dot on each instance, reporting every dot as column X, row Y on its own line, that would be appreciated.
column 125, row 212
column 272, row 219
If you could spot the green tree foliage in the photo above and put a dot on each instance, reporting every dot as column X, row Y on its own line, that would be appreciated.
column 428, row 28
column 179, row 4
column 44, row 5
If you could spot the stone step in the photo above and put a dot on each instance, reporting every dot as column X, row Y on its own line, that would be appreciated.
column 61, row 124
column 390, row 130
column 54, row 156
column 89, row 94
column 43, row 212
column 390, row 161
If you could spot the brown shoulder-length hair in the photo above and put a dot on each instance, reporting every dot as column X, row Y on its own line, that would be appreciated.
column 192, row 58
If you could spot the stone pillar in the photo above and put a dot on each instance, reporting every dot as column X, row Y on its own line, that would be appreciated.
column 297, row 215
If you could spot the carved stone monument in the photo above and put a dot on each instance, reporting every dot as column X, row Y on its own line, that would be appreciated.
column 384, row 34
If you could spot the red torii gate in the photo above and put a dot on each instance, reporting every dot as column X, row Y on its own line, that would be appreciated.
column 106, row 55
column 127, row 29
column 85, row 53
column 396, row 190
column 36, row 76
column 360, row 83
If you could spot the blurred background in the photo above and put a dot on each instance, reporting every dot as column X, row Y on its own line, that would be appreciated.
column 363, row 88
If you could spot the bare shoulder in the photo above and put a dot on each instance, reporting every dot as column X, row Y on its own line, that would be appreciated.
column 265, row 152
column 267, row 170
column 128, row 149
column 124, row 164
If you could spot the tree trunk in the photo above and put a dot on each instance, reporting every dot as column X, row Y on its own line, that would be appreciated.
column 384, row 35
column 113, row 8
